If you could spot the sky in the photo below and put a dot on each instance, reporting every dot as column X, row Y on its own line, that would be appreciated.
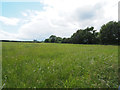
column 39, row 19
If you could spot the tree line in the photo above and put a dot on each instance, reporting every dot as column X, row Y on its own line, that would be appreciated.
column 34, row 41
column 108, row 34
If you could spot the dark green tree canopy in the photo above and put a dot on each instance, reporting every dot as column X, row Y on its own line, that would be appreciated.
column 54, row 39
column 86, row 36
column 109, row 33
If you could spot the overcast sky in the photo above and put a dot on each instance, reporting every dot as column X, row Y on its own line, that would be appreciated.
column 39, row 20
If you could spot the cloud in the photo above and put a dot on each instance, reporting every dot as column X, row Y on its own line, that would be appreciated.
column 88, row 12
column 58, row 18
column 64, row 17
column 24, row 14
column 7, row 36
column 9, row 21
column 41, row 27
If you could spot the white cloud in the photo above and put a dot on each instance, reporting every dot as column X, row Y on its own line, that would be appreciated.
column 9, row 21
column 24, row 14
column 7, row 36
column 64, row 17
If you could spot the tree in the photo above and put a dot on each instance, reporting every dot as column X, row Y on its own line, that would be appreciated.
column 77, row 38
column 35, row 41
column 52, row 38
column 58, row 40
column 47, row 40
column 85, row 36
column 109, row 33
column 64, row 40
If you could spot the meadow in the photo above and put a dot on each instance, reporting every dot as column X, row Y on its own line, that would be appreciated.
column 53, row 65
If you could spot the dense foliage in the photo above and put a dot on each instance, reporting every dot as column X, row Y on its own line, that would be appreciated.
column 109, row 34
column 87, row 36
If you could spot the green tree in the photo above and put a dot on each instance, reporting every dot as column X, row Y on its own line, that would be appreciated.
column 58, row 40
column 52, row 38
column 35, row 41
column 66, row 40
column 47, row 40
column 85, row 36
column 109, row 33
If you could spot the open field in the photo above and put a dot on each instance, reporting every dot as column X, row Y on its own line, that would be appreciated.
column 45, row 65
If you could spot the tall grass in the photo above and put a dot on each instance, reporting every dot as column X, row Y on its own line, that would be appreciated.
column 41, row 65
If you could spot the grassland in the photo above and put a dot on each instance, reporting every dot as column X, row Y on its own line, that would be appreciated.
column 41, row 65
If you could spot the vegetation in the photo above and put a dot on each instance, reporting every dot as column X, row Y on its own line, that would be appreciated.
column 34, row 41
column 46, row 65
column 109, row 34
column 54, row 39
column 87, row 36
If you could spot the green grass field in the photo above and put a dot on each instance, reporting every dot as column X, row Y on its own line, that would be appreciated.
column 46, row 65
